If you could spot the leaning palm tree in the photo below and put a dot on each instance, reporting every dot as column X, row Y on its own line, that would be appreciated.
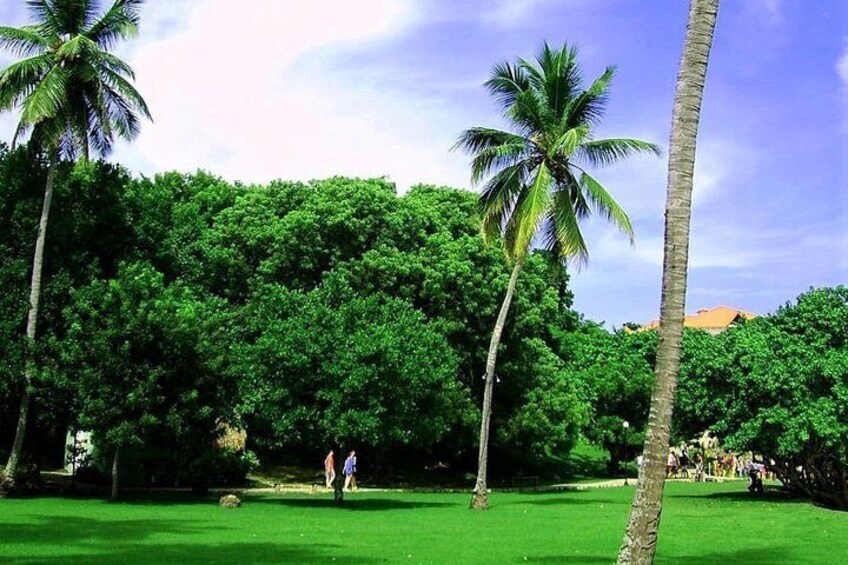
column 640, row 541
column 534, row 178
column 73, row 97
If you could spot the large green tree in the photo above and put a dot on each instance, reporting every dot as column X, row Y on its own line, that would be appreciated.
column 616, row 373
column 328, row 367
column 137, row 355
column 73, row 97
column 778, row 386
column 640, row 540
column 534, row 178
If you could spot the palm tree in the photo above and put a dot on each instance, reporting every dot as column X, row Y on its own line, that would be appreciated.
column 536, row 180
column 73, row 96
column 640, row 541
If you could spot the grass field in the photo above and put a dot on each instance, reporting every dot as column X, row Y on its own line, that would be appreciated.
column 702, row 523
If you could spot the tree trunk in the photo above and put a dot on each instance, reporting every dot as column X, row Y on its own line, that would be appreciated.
column 11, row 469
column 338, row 483
column 480, row 497
column 640, row 541
column 115, row 473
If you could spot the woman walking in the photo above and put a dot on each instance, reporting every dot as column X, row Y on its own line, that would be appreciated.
column 330, row 469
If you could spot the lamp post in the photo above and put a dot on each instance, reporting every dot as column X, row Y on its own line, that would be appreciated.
column 626, row 426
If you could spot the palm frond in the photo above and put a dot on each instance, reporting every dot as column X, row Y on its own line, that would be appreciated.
column 494, row 158
column 123, row 88
column 569, row 141
column 77, row 46
column 19, row 79
column 21, row 131
column 120, row 21
column 122, row 114
column 491, row 149
column 73, row 16
column 562, row 235
column 498, row 197
column 43, row 12
column 106, row 60
column 46, row 98
column 559, row 77
column 605, row 204
column 22, row 41
column 602, row 152
column 530, row 208
column 506, row 83
column 530, row 113
column 590, row 105
column 476, row 139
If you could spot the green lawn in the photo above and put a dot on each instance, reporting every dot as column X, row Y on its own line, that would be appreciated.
column 702, row 524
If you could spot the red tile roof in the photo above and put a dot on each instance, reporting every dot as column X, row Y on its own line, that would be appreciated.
column 718, row 318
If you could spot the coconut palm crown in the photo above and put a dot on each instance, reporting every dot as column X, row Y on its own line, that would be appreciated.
column 535, row 176
column 72, row 94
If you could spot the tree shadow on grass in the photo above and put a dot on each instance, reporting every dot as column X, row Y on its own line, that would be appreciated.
column 567, row 497
column 774, row 494
column 72, row 530
column 69, row 539
column 207, row 553
column 774, row 555
column 571, row 559
column 353, row 504
column 771, row 555
column 153, row 498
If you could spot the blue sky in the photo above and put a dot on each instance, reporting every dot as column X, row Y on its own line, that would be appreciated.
column 290, row 89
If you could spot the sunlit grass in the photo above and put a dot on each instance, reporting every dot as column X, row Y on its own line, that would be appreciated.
column 702, row 523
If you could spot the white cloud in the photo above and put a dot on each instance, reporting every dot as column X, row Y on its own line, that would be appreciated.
column 767, row 11
column 508, row 13
column 721, row 164
column 264, row 93
column 842, row 66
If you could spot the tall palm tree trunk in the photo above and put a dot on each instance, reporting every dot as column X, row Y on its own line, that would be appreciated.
column 32, row 320
column 480, row 498
column 640, row 541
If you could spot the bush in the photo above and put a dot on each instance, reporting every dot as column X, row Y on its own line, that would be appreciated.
column 222, row 468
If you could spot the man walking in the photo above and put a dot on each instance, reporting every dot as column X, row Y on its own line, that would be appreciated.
column 350, row 471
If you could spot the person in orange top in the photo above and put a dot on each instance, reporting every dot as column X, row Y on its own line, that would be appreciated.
column 330, row 469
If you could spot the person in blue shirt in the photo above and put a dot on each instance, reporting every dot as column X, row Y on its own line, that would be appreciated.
column 350, row 471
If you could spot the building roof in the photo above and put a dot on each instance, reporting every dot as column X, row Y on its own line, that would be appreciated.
column 718, row 318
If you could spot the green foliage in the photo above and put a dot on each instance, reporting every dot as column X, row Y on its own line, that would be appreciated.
column 134, row 356
column 550, row 414
column 204, row 296
column 778, row 386
column 86, row 238
column 327, row 367
column 221, row 467
column 615, row 371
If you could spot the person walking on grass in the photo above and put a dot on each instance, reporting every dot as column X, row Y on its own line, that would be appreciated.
column 330, row 469
column 350, row 471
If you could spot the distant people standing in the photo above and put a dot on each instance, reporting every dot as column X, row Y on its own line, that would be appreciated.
column 755, row 478
column 330, row 468
column 671, row 465
column 350, row 471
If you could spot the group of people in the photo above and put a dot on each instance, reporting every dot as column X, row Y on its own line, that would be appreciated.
column 349, row 470
column 679, row 463
column 724, row 464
